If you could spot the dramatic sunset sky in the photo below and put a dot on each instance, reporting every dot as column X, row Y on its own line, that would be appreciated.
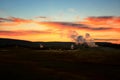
column 56, row 20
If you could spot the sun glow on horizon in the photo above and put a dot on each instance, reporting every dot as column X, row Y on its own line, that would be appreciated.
column 55, row 20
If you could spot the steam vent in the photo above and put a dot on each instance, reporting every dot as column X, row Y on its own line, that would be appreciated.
column 79, row 42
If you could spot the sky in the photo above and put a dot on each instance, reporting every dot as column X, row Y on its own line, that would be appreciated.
column 55, row 20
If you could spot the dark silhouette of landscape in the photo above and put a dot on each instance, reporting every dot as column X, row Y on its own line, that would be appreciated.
column 25, row 60
column 5, row 42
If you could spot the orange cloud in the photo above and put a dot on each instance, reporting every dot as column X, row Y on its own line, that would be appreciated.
column 19, row 27
column 103, row 21
column 117, row 41
column 22, row 33
column 90, row 24
column 44, row 18
column 72, row 26
column 13, row 21
column 19, row 20
column 8, row 24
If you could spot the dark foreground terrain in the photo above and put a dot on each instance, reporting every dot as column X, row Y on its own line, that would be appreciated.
column 19, row 63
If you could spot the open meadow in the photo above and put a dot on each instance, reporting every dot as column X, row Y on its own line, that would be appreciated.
column 81, row 64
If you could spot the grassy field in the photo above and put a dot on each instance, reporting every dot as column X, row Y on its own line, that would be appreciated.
column 81, row 64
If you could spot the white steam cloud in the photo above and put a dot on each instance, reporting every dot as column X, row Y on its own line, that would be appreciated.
column 80, row 40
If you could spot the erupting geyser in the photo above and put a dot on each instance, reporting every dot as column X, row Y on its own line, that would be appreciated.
column 89, row 41
column 80, row 40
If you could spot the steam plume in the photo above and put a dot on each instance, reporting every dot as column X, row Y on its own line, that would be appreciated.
column 80, row 40
column 90, row 41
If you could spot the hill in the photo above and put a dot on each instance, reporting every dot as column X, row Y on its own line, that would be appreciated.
column 4, row 42
column 24, row 60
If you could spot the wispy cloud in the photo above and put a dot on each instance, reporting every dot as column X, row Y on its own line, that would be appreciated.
column 13, row 21
column 116, row 41
column 5, row 20
column 72, row 26
column 41, row 17
column 90, row 23
column 44, row 18
column 24, row 32
column 12, row 26
column 106, row 21
column 72, row 9
column 19, row 20
column 107, row 39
